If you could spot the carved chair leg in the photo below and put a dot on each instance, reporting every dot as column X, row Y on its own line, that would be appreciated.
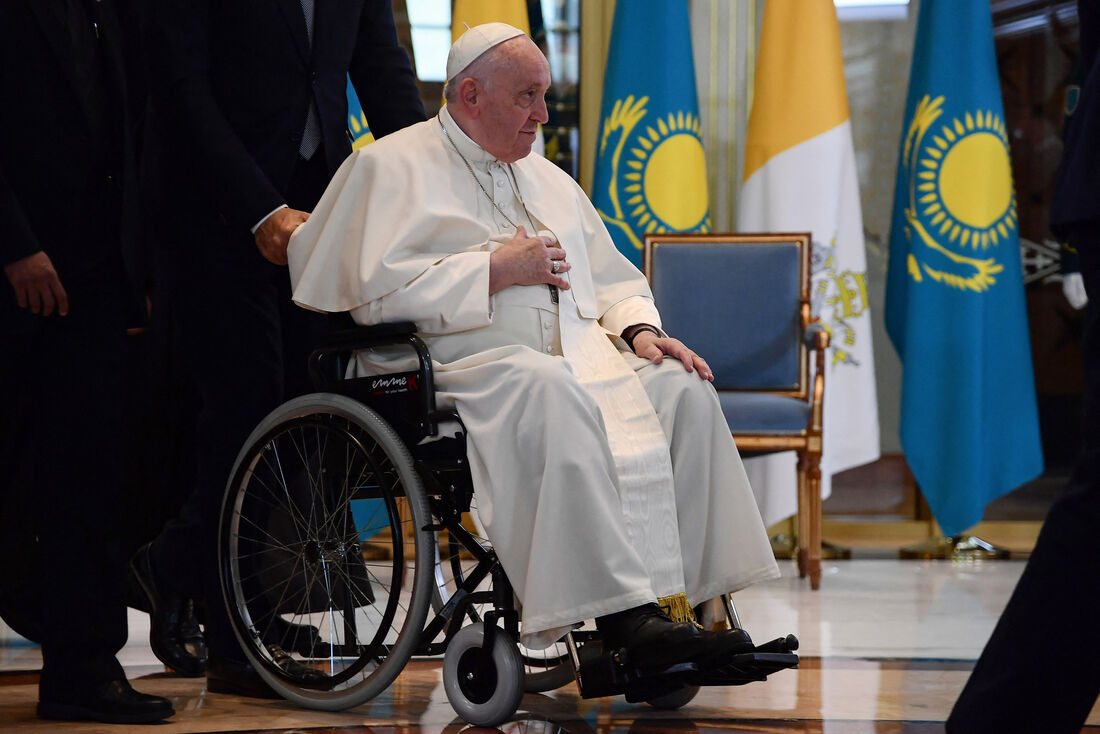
column 814, row 501
column 803, row 517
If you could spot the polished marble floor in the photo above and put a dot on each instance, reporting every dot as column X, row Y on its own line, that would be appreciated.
column 886, row 647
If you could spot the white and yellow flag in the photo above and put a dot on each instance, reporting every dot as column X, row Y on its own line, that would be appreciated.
column 468, row 13
column 800, row 176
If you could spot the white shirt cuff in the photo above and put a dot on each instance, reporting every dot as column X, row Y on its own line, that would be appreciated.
column 268, row 216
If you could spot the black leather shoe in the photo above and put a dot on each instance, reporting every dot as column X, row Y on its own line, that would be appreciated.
column 294, row 668
column 301, row 638
column 649, row 639
column 115, row 703
column 241, row 679
column 237, row 678
column 721, row 645
column 173, row 629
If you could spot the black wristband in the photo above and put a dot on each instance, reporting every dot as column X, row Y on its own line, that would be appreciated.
column 638, row 330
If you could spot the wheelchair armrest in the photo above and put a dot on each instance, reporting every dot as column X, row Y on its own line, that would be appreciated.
column 361, row 337
column 343, row 344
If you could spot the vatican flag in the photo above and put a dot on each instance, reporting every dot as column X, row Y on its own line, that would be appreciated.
column 469, row 13
column 650, row 173
column 800, row 176
column 955, row 307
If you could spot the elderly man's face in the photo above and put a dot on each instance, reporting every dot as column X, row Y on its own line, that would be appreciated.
column 515, row 101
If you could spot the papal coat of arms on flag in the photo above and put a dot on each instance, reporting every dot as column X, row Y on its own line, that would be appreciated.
column 800, row 175
column 650, row 168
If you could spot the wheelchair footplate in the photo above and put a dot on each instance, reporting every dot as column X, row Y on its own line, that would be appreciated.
column 749, row 667
column 600, row 674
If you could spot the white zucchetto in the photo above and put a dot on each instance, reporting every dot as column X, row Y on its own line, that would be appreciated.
column 476, row 41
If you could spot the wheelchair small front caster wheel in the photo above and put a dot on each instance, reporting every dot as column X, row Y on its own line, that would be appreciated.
column 675, row 700
column 483, row 686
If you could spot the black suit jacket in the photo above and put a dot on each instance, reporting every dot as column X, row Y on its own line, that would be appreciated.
column 231, row 82
column 1077, row 190
column 54, row 178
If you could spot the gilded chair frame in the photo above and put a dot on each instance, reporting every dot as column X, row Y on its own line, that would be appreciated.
column 808, row 442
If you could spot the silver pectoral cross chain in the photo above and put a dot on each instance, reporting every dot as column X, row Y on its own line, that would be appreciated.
column 493, row 201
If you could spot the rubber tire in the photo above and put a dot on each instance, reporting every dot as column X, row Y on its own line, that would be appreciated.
column 508, row 666
column 537, row 678
column 424, row 542
column 675, row 700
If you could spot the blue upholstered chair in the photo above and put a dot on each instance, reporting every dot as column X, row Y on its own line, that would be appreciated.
column 743, row 302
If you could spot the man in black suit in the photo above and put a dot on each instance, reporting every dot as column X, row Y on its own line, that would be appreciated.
column 72, row 285
column 248, row 122
column 1040, row 671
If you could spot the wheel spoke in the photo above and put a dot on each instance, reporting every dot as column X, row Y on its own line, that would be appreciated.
column 295, row 534
column 277, row 469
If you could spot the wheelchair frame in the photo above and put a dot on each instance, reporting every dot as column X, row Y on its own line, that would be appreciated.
column 289, row 506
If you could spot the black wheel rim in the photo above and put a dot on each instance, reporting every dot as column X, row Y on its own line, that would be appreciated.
column 326, row 541
column 477, row 675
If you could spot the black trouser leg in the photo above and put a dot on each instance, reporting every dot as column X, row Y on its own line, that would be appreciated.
column 246, row 345
column 1040, row 670
column 70, row 371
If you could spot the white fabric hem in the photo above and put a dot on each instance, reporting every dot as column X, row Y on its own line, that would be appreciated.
column 728, row 586
column 543, row 631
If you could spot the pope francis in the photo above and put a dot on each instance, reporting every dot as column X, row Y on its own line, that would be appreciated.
column 606, row 477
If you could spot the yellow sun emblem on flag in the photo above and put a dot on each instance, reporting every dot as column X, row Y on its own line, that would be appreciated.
column 961, row 200
column 359, row 130
column 663, row 187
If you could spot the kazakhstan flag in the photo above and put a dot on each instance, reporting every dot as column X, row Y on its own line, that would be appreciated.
column 358, row 128
column 954, row 298
column 650, row 172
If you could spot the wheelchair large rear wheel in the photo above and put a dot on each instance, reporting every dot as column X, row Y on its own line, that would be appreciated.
column 322, row 522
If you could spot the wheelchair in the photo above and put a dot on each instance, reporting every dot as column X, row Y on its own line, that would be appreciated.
column 342, row 529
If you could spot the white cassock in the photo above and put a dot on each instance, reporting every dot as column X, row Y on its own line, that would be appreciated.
column 594, row 501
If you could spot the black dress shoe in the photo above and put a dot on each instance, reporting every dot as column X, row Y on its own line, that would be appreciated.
column 173, row 628
column 647, row 638
column 296, row 669
column 237, row 678
column 721, row 645
column 115, row 703
column 301, row 638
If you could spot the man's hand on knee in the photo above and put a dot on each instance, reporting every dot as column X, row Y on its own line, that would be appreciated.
column 654, row 348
